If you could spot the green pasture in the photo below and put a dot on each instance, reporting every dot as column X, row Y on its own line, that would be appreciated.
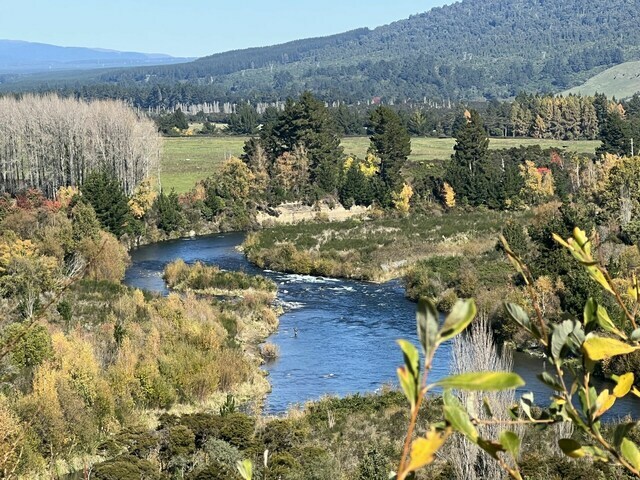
column 185, row 160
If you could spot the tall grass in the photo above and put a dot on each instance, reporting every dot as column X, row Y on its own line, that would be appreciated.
column 199, row 276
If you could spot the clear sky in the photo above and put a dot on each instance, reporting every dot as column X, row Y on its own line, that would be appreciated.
column 193, row 28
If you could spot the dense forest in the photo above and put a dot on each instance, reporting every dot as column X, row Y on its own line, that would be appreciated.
column 468, row 50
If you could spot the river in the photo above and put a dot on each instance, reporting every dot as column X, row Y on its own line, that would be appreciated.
column 336, row 337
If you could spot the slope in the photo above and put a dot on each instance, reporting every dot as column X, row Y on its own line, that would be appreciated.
column 621, row 81
column 472, row 49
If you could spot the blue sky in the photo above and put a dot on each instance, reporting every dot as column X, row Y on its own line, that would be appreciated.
column 192, row 27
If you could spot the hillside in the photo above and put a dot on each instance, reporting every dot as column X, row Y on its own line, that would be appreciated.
column 26, row 57
column 472, row 49
column 621, row 81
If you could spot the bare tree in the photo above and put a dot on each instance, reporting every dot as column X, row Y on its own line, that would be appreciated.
column 472, row 352
column 47, row 142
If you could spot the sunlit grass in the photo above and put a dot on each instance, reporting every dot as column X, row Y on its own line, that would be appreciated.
column 185, row 160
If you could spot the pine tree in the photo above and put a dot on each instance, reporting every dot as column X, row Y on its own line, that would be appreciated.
column 390, row 141
column 464, row 172
column 356, row 187
column 613, row 136
column 169, row 212
column 307, row 123
column 106, row 196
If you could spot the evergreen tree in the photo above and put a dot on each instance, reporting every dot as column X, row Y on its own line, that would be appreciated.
column 465, row 171
column 356, row 187
column 106, row 196
column 168, row 211
column 244, row 121
column 307, row 123
column 84, row 222
column 391, row 142
column 613, row 136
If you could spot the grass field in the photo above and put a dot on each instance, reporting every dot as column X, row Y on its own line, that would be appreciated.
column 621, row 81
column 185, row 160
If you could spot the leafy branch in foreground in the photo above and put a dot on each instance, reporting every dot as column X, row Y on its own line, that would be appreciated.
column 575, row 347
column 421, row 451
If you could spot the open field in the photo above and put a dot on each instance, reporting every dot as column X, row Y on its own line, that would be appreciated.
column 621, row 81
column 185, row 160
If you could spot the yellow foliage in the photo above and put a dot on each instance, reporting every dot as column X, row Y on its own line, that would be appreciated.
column 65, row 194
column 538, row 183
column 77, row 363
column 370, row 166
column 142, row 198
column 449, row 195
column 15, row 248
column 11, row 438
column 402, row 199
column 107, row 257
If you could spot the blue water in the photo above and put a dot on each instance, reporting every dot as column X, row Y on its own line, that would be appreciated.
column 346, row 330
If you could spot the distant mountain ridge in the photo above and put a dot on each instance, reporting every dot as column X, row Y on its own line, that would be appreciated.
column 18, row 56
column 469, row 50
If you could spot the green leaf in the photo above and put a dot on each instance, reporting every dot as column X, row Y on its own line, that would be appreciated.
column 411, row 357
column 599, row 348
column 548, row 379
column 591, row 395
column 459, row 420
column 606, row 323
column 526, row 403
column 571, row 448
column 630, row 452
column 621, row 431
column 427, row 322
column 589, row 314
column 559, row 339
column 245, row 468
column 461, row 315
column 489, row 381
column 518, row 315
column 409, row 386
column 511, row 443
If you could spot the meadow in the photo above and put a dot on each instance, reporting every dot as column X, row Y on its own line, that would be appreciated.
column 185, row 160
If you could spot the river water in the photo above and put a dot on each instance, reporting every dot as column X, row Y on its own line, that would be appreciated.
column 336, row 337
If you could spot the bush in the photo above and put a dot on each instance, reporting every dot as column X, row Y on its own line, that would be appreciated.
column 282, row 435
column 269, row 352
column 126, row 467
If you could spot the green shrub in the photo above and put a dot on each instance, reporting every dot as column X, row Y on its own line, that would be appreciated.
column 282, row 435
column 126, row 467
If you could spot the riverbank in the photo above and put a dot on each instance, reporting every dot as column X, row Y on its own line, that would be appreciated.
column 373, row 250
column 343, row 326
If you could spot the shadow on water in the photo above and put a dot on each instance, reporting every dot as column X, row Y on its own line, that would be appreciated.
column 336, row 337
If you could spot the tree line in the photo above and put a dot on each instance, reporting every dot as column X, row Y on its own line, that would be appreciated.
column 48, row 142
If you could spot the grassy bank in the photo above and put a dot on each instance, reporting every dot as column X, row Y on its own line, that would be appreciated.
column 185, row 160
column 374, row 250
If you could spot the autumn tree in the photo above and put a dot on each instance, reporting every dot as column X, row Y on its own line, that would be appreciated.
column 48, row 142
column 290, row 175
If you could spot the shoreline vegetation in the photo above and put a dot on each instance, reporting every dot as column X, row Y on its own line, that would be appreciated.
column 142, row 386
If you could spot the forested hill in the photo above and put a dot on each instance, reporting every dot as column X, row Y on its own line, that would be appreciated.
column 468, row 50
